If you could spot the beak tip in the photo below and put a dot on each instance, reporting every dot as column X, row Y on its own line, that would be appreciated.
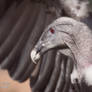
column 35, row 56
column 33, row 53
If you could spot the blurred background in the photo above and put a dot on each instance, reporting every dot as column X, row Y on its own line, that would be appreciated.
column 9, row 85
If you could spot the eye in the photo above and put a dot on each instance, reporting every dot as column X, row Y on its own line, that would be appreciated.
column 52, row 30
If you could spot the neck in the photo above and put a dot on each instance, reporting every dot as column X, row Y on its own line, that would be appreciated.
column 80, row 44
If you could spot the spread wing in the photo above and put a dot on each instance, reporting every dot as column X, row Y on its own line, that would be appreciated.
column 21, row 26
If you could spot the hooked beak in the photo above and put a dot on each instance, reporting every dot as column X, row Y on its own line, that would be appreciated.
column 37, row 52
column 40, row 49
column 35, row 56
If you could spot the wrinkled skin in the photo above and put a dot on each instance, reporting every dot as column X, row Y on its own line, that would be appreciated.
column 69, row 33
